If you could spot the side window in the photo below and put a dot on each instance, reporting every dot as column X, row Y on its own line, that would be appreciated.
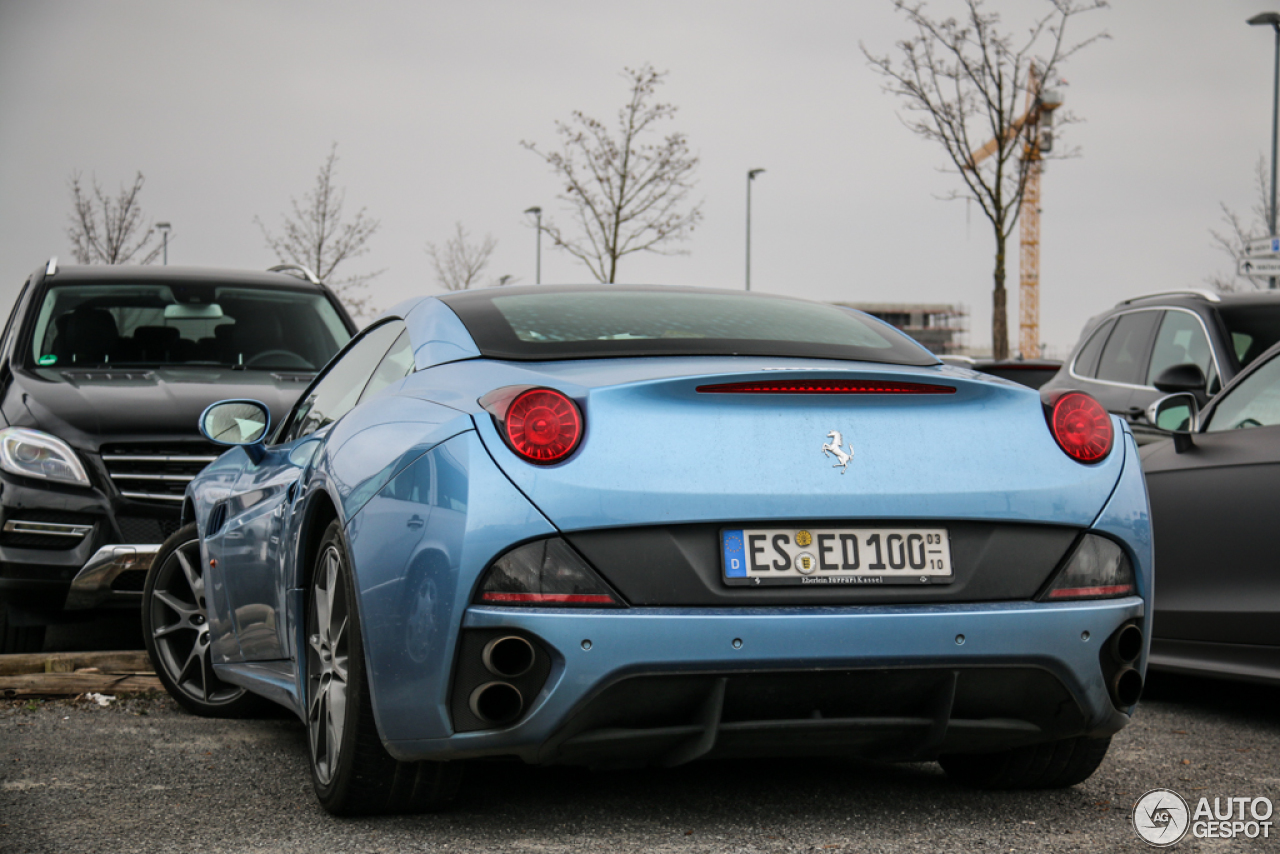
column 1181, row 341
column 1125, row 356
column 1087, row 361
column 395, row 366
column 1255, row 402
column 339, row 389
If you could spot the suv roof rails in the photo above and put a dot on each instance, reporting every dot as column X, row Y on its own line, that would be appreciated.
column 1195, row 292
column 52, row 267
column 297, row 270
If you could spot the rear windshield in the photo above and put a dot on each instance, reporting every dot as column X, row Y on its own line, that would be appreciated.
column 615, row 321
column 1253, row 329
column 197, row 324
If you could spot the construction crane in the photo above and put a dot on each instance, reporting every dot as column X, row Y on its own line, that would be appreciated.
column 1041, row 102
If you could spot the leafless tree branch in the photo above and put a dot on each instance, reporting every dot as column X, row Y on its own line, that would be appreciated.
column 316, row 236
column 107, row 230
column 460, row 262
column 627, row 194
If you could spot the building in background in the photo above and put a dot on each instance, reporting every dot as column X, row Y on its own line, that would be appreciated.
column 941, row 327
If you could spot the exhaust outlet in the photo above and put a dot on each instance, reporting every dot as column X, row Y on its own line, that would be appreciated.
column 496, row 703
column 508, row 657
column 1126, row 687
column 1126, row 644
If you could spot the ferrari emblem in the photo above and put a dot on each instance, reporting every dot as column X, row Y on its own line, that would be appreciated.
column 832, row 448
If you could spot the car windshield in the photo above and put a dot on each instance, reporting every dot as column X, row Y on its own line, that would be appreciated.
column 196, row 324
column 1253, row 328
column 1255, row 402
column 616, row 321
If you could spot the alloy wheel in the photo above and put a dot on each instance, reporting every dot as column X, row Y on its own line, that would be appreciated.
column 327, row 655
column 179, row 627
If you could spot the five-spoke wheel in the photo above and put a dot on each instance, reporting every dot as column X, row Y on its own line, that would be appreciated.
column 175, row 625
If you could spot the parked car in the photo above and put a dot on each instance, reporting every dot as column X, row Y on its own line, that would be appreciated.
column 1181, row 341
column 103, row 373
column 625, row 525
column 1033, row 373
column 1215, row 493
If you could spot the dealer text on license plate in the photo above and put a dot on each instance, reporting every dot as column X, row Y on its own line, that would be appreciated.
column 759, row 556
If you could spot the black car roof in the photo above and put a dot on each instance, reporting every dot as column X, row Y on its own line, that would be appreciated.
column 190, row 275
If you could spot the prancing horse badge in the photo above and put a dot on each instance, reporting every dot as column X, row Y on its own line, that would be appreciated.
column 833, row 448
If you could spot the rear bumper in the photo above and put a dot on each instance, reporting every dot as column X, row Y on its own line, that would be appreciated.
column 893, row 681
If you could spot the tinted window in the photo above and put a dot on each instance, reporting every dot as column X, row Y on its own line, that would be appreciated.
column 1255, row 402
column 1253, row 329
column 201, row 324
column 1087, row 362
column 615, row 320
column 1182, row 341
column 1124, row 358
column 395, row 366
column 340, row 387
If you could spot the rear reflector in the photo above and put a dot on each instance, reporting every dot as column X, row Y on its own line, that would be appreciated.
column 825, row 387
column 549, row 598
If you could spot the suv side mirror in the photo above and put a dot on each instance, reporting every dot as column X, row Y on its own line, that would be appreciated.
column 1179, row 414
column 242, row 423
column 1176, row 378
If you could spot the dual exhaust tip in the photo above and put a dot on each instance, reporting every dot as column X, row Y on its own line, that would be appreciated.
column 1125, row 647
column 499, row 702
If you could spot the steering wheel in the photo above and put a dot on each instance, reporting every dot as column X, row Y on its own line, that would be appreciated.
column 282, row 358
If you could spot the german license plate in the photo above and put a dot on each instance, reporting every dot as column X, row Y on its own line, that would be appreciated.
column 760, row 556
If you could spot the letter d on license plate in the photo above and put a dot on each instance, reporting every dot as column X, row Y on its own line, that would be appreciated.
column 834, row 556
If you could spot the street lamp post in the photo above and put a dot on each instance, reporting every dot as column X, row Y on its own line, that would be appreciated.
column 751, row 176
column 537, row 213
column 164, row 231
column 1272, row 18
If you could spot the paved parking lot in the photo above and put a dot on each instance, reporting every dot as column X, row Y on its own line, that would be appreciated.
column 140, row 775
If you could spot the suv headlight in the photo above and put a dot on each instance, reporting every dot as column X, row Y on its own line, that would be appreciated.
column 31, row 453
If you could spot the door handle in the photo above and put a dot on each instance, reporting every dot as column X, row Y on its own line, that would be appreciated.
column 1135, row 413
column 415, row 522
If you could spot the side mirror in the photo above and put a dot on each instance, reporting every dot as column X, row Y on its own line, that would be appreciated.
column 1176, row 378
column 1179, row 414
column 242, row 423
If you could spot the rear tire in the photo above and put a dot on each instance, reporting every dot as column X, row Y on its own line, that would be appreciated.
column 350, row 769
column 1054, row 765
column 175, row 628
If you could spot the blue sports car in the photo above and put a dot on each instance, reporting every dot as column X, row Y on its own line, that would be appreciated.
column 615, row 525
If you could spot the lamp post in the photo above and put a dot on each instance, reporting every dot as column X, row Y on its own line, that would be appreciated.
column 751, row 176
column 537, row 213
column 164, row 231
column 1272, row 18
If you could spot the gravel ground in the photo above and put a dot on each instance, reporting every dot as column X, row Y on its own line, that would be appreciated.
column 141, row 775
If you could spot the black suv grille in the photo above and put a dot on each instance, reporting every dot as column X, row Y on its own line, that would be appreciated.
column 135, row 529
column 156, row 473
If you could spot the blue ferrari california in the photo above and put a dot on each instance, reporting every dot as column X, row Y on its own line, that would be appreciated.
column 616, row 525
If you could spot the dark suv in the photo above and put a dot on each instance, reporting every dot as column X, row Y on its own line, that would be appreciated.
column 104, row 372
column 1149, row 346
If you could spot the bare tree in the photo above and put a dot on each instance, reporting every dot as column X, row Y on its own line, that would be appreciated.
column 106, row 230
column 317, row 237
column 627, row 194
column 1232, row 242
column 964, row 82
column 460, row 262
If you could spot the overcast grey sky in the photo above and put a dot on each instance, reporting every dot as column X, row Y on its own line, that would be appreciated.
column 229, row 108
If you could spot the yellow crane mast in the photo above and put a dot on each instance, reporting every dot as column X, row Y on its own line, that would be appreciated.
column 1039, row 115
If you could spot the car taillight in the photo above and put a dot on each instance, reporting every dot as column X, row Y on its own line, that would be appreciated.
column 545, row 573
column 1097, row 569
column 542, row 425
column 1080, row 425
